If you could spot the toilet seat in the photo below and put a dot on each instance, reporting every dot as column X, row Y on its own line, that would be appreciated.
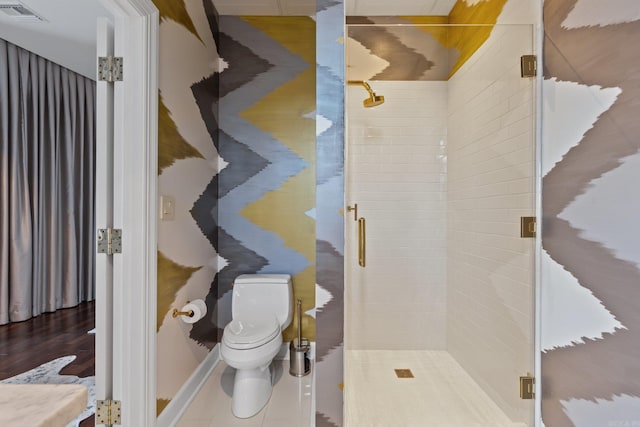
column 248, row 333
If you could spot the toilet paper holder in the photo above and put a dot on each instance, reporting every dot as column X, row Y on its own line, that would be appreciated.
column 175, row 313
column 191, row 312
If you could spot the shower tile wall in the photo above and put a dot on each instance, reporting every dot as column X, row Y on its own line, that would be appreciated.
column 490, row 186
column 397, row 170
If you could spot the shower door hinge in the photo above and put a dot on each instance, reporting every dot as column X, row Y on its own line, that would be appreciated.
column 109, row 241
column 528, row 66
column 108, row 412
column 527, row 387
column 528, row 226
column 110, row 69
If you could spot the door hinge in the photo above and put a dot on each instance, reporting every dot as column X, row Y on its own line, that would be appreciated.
column 110, row 68
column 109, row 241
column 528, row 226
column 527, row 387
column 108, row 412
column 528, row 66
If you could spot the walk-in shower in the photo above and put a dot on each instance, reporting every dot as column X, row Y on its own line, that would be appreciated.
column 443, row 173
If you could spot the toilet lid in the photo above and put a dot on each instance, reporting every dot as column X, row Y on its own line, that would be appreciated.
column 251, row 332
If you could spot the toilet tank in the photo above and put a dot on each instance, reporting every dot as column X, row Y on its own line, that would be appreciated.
column 255, row 294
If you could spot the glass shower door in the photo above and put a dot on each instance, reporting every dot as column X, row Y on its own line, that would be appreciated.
column 442, row 172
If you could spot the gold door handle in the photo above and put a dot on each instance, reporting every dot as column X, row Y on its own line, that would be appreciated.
column 362, row 242
column 353, row 209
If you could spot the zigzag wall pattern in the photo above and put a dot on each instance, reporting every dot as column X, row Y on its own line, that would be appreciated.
column 204, row 210
column 267, row 141
column 595, row 379
column 187, row 171
column 329, row 204
column 422, row 48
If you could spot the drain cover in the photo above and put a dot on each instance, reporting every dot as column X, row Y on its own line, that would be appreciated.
column 404, row 373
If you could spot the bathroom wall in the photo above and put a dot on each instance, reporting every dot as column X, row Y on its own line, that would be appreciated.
column 275, row 212
column 397, row 175
column 490, row 269
column 266, row 186
column 393, row 48
column 421, row 47
column 590, row 259
column 188, row 164
column 328, row 213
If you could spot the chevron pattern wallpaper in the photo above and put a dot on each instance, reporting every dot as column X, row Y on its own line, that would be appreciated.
column 413, row 48
column 266, row 187
column 188, row 166
column 591, row 260
column 329, row 204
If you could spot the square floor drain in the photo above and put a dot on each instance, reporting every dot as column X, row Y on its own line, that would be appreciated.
column 404, row 373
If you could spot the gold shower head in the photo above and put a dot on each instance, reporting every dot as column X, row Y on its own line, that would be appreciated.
column 373, row 100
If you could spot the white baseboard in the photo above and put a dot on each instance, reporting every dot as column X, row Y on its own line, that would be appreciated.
column 181, row 401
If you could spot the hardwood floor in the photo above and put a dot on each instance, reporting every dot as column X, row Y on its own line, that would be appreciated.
column 26, row 345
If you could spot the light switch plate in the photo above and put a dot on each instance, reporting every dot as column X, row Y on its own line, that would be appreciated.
column 167, row 208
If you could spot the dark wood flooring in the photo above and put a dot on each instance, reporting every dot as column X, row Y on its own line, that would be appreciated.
column 29, row 344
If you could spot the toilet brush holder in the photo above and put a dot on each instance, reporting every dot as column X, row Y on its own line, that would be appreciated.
column 299, row 363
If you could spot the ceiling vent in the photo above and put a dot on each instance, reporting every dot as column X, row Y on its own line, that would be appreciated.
column 20, row 12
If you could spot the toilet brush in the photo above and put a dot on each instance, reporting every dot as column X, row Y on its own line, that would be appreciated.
column 300, row 365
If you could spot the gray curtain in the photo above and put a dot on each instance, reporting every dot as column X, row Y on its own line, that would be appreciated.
column 47, row 147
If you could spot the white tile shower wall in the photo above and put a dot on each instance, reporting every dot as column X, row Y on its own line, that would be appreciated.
column 397, row 175
column 490, row 186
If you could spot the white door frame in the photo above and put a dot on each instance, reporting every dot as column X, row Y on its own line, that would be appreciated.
column 135, row 211
column 104, row 216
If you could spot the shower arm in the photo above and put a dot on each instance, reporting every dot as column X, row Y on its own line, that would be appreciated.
column 362, row 83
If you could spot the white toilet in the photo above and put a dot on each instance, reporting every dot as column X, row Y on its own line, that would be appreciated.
column 261, row 307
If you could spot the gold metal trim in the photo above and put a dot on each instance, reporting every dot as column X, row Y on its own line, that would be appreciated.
column 361, row 83
column 528, row 226
column 362, row 242
column 353, row 209
column 176, row 313
column 404, row 373
column 373, row 100
column 528, row 66
column 527, row 389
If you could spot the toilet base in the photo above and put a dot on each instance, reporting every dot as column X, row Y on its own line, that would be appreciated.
column 251, row 391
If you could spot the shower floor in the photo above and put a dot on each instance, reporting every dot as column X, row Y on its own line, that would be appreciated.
column 442, row 394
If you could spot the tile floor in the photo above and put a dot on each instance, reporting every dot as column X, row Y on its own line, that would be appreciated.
column 374, row 396
column 290, row 404
column 442, row 394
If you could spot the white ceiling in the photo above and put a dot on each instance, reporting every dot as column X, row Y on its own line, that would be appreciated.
column 398, row 7
column 67, row 36
column 353, row 7
column 266, row 7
